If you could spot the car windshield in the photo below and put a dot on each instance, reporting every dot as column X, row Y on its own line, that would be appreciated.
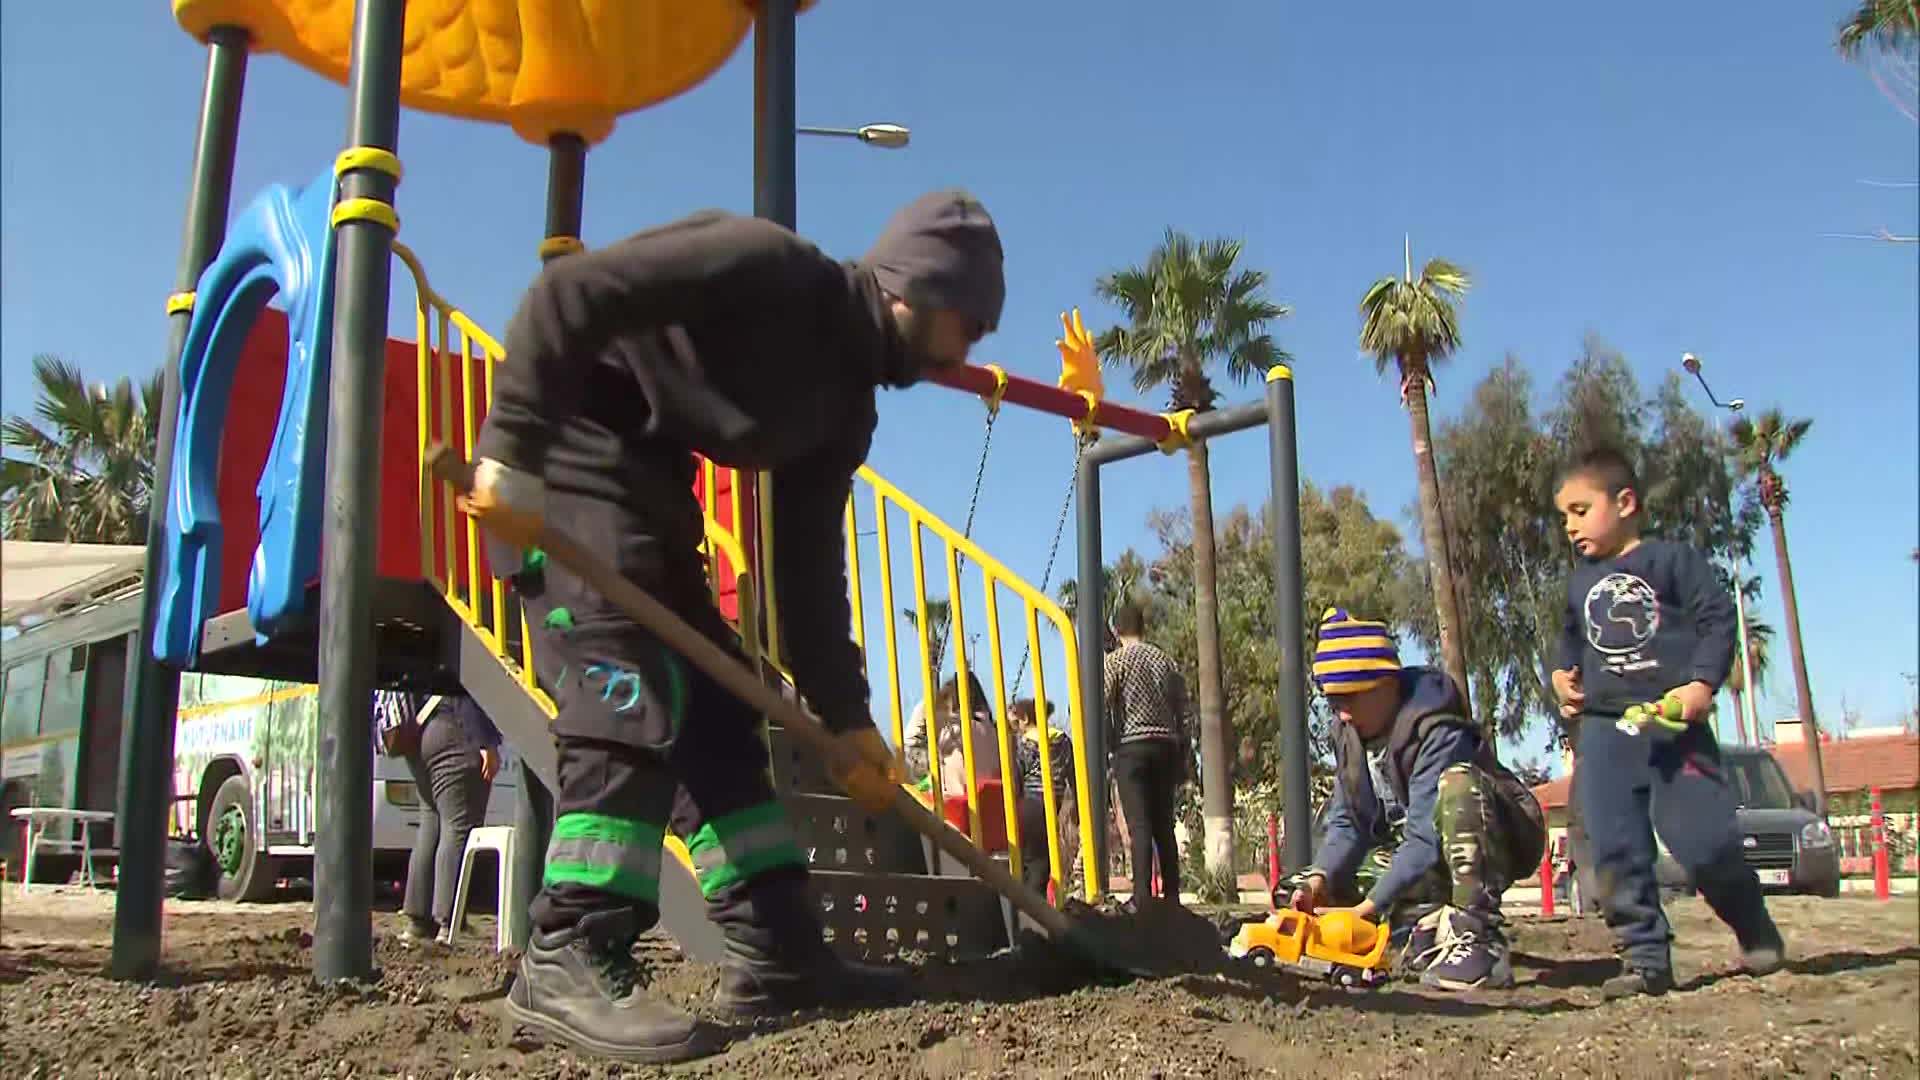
column 1760, row 783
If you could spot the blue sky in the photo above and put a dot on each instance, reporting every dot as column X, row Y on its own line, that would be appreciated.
column 1657, row 173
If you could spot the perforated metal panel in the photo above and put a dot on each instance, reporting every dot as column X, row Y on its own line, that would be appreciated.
column 838, row 835
column 872, row 917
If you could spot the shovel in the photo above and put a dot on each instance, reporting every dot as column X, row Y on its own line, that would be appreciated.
column 633, row 601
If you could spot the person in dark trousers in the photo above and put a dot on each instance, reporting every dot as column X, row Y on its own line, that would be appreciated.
column 453, row 766
column 733, row 338
column 1035, row 862
column 1423, row 806
column 1149, row 714
column 1645, row 619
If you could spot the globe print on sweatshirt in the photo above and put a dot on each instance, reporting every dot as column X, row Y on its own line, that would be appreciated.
column 1644, row 622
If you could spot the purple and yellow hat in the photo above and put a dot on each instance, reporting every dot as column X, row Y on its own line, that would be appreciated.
column 1351, row 655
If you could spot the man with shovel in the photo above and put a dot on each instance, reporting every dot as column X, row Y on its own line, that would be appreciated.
column 733, row 338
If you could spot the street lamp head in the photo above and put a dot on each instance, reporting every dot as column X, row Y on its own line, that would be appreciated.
column 1737, row 404
column 885, row 136
column 1690, row 362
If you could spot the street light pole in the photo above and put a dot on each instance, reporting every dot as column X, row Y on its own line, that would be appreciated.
column 1692, row 364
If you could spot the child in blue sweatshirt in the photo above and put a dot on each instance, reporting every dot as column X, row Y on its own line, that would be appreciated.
column 1418, row 795
column 1648, row 620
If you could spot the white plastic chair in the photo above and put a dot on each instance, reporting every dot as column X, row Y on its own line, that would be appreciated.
column 498, row 839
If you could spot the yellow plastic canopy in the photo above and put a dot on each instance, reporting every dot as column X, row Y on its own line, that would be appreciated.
column 543, row 67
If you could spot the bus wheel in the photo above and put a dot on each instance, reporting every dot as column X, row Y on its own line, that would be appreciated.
column 246, row 872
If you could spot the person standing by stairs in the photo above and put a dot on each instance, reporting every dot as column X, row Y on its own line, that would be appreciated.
column 453, row 764
column 732, row 338
column 1148, row 708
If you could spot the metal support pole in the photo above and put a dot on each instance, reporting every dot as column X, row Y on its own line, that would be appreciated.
column 343, row 844
column 1289, row 618
column 775, row 198
column 146, row 742
column 566, row 187
column 1090, row 596
column 774, row 195
column 533, row 803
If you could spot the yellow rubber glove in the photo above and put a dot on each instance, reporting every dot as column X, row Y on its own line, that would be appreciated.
column 1079, row 364
column 508, row 503
column 867, row 768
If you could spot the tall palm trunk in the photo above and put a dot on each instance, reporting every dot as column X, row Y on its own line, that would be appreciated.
column 1803, row 689
column 1433, row 531
column 1216, row 773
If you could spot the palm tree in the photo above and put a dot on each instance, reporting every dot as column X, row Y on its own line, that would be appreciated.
column 1758, row 662
column 1188, row 308
column 939, row 627
column 1890, row 25
column 1411, row 323
column 1759, row 448
column 87, row 473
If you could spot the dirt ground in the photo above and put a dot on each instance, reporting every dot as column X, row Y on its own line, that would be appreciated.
column 235, row 1000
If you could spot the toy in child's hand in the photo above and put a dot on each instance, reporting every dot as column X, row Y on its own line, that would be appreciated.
column 1666, row 713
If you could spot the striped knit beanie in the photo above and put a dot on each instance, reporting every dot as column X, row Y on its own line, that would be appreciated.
column 1351, row 655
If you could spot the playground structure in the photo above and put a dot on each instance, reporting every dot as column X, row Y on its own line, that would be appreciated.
column 316, row 593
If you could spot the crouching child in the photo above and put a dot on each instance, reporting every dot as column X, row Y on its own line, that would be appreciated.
column 1425, row 829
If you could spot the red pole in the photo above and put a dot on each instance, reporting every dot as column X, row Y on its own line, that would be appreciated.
column 1882, row 886
column 1051, row 399
column 1273, row 852
column 1546, row 882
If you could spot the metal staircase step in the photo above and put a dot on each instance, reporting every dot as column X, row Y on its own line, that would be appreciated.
column 872, row 917
column 837, row 834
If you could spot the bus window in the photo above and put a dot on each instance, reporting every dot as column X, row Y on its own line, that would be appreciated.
column 64, row 700
column 21, row 718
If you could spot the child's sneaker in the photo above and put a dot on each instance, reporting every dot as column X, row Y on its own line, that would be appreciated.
column 1425, row 943
column 1475, row 958
column 1636, row 981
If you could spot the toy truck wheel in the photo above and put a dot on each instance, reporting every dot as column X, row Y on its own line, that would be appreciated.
column 1260, row 957
column 1343, row 975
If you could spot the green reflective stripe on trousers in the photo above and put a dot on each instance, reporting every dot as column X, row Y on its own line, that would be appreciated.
column 732, row 849
column 608, row 853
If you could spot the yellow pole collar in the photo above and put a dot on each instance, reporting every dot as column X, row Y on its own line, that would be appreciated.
column 366, row 210
column 367, row 157
column 1278, row 372
column 1177, row 437
column 555, row 246
column 180, row 302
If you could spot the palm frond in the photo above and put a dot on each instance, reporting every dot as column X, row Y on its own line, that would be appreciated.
column 1890, row 25
column 1187, row 307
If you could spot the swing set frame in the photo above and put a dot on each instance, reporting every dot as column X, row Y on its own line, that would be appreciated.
column 1134, row 433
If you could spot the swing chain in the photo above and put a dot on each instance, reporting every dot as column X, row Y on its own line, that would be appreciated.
column 973, row 504
column 1080, row 443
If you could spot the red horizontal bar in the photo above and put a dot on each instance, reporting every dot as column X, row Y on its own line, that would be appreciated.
column 1051, row 399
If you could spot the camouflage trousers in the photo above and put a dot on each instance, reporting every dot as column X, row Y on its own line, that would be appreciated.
column 1476, row 864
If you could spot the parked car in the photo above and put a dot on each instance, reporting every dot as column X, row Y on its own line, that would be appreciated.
column 1788, row 845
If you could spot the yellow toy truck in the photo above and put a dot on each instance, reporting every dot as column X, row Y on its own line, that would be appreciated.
column 1336, row 946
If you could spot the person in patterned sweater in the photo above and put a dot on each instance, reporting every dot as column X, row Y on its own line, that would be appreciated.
column 1149, row 715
